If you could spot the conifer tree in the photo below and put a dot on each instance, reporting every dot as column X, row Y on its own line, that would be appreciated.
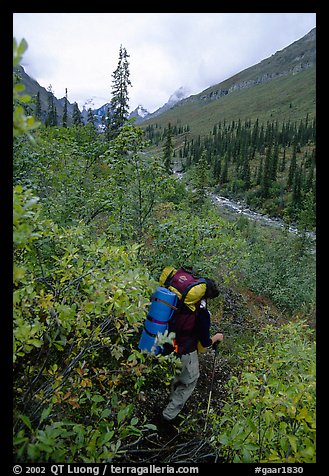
column 51, row 119
column 255, row 138
column 76, row 117
column 283, row 161
column 292, row 167
column 64, row 120
column 309, row 182
column 200, row 179
column 38, row 112
column 91, row 118
column 107, row 124
column 307, row 213
column 266, row 179
column 217, row 169
column 245, row 173
column 120, row 98
column 275, row 161
column 168, row 150
column 260, row 172
column 224, row 176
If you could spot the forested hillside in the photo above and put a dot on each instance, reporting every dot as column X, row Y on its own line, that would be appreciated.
column 96, row 219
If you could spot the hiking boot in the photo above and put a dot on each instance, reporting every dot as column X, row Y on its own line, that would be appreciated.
column 166, row 427
column 174, row 422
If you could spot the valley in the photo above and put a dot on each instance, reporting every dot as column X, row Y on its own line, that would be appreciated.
column 222, row 183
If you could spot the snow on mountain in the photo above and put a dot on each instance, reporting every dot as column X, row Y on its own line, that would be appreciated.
column 140, row 113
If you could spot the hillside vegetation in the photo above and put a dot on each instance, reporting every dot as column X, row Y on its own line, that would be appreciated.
column 287, row 98
column 246, row 135
column 260, row 148
column 279, row 88
column 95, row 222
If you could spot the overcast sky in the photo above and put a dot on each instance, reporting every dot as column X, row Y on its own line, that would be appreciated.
column 80, row 51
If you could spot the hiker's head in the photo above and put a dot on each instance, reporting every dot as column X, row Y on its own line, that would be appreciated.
column 212, row 289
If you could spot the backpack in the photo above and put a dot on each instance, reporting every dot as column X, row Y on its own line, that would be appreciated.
column 169, row 311
column 181, row 282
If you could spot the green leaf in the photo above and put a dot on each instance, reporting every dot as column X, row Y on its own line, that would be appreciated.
column 122, row 415
column 98, row 398
column 45, row 413
column 105, row 413
column 293, row 442
column 26, row 421
column 106, row 437
column 150, row 426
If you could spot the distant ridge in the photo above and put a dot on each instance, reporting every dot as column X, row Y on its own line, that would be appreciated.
column 296, row 58
column 293, row 59
column 32, row 88
column 279, row 87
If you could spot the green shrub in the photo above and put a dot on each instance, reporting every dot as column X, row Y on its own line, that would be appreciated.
column 278, row 270
column 270, row 414
column 77, row 315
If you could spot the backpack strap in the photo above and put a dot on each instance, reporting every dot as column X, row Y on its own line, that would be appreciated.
column 169, row 278
column 163, row 302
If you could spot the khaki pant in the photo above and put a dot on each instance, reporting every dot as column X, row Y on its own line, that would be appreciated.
column 183, row 385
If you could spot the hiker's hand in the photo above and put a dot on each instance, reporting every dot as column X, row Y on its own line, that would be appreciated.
column 217, row 338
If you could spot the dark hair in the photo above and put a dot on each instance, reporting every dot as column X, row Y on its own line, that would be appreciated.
column 212, row 289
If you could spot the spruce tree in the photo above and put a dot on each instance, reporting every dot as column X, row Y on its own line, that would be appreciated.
column 274, row 162
column 292, row 167
column 224, row 176
column 283, row 161
column 217, row 169
column 297, row 188
column 91, row 118
column 64, row 120
column 260, row 171
column 51, row 119
column 38, row 112
column 266, row 178
column 120, row 98
column 307, row 213
column 200, row 178
column 76, row 117
column 168, row 150
column 245, row 172
column 107, row 124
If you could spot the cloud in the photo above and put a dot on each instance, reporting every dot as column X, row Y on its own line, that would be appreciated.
column 79, row 51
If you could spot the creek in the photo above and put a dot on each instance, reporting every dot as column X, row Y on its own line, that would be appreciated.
column 234, row 208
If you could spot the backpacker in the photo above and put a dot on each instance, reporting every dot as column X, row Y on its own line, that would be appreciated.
column 178, row 316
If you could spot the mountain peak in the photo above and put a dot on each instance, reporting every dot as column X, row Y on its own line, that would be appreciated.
column 181, row 93
column 140, row 113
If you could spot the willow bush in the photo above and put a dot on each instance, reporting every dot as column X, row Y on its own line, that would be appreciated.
column 270, row 415
column 76, row 320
